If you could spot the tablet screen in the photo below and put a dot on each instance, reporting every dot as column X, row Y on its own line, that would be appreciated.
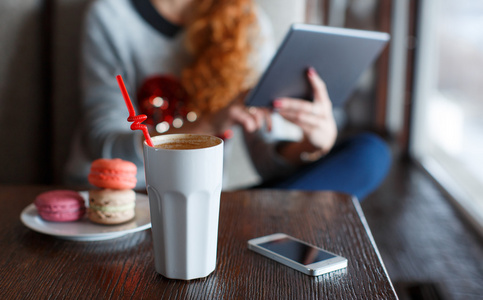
column 339, row 55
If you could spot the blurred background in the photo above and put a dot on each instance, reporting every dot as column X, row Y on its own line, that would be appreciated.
column 39, row 68
column 424, row 94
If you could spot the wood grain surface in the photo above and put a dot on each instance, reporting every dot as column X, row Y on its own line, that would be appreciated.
column 38, row 266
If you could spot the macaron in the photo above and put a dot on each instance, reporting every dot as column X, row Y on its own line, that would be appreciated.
column 60, row 206
column 113, row 174
column 108, row 206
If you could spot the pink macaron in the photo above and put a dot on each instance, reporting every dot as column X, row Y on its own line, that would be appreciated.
column 114, row 173
column 60, row 206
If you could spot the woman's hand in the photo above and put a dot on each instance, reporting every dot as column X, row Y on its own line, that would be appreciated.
column 315, row 118
column 236, row 113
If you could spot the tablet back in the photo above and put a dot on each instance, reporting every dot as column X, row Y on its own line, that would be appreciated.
column 339, row 55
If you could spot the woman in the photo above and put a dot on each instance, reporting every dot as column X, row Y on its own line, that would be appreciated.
column 188, row 64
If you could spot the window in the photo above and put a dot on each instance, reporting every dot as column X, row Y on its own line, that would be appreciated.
column 447, row 130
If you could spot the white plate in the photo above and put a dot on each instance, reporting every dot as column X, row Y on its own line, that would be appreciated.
column 85, row 230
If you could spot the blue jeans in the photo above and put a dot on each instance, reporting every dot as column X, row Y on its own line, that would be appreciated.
column 356, row 166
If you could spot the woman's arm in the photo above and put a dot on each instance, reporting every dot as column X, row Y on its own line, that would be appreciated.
column 105, row 130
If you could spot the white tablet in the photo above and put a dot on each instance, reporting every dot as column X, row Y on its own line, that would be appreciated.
column 339, row 55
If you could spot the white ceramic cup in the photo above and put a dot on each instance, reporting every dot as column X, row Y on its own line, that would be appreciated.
column 184, row 187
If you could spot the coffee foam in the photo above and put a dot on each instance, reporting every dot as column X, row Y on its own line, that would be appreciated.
column 185, row 141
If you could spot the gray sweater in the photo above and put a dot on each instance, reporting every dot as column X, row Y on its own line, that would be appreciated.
column 118, row 39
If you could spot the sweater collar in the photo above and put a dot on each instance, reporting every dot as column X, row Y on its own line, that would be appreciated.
column 153, row 18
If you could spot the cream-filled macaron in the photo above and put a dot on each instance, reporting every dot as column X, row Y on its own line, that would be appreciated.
column 107, row 206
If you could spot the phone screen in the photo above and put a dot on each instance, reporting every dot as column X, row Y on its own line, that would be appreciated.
column 297, row 251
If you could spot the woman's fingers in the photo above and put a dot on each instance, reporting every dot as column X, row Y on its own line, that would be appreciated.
column 301, row 111
column 315, row 117
column 293, row 105
column 239, row 115
column 318, row 86
column 301, row 119
column 251, row 119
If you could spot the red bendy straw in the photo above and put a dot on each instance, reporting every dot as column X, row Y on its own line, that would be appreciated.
column 137, row 120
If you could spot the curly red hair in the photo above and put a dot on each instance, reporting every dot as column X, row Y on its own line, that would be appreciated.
column 218, row 37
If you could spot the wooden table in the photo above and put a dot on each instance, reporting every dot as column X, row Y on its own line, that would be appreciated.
column 38, row 266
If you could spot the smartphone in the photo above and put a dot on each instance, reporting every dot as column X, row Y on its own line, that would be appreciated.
column 297, row 254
